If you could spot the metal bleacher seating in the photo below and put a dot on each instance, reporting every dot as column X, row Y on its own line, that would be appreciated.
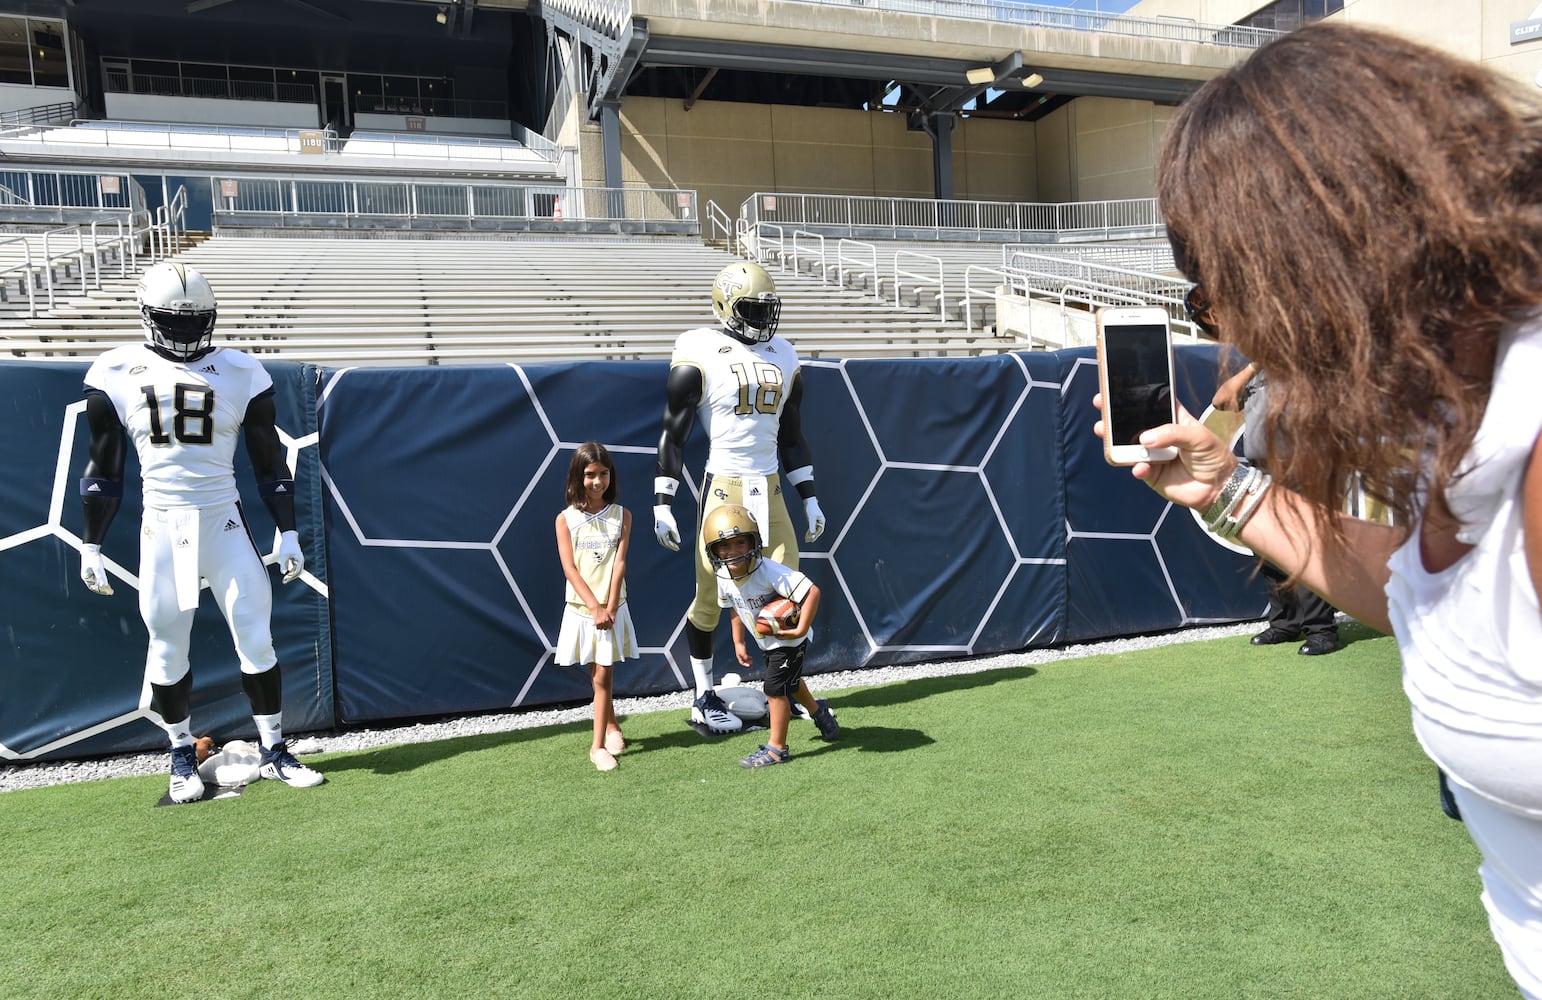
column 414, row 300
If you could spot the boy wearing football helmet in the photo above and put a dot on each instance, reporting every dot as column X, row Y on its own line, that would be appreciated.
column 747, row 581
column 742, row 381
column 184, row 402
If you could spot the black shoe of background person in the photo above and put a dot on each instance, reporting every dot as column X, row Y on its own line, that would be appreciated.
column 1319, row 645
column 1272, row 636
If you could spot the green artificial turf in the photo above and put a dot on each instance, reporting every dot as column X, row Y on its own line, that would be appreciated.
column 1198, row 820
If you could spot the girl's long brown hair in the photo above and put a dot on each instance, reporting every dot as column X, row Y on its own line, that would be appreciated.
column 584, row 456
column 1365, row 215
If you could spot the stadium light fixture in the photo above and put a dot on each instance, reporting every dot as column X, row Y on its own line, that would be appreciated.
column 442, row 16
column 981, row 74
column 1032, row 80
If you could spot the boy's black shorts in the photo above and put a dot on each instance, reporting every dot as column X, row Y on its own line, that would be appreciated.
column 784, row 669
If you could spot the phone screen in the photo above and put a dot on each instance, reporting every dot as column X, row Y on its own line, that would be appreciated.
column 1136, row 362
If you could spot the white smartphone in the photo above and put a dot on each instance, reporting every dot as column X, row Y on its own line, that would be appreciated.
column 1135, row 374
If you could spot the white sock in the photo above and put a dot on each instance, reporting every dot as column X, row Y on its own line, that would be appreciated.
column 181, row 733
column 270, row 728
column 702, row 670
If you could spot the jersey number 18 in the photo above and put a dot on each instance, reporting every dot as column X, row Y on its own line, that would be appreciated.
column 192, row 424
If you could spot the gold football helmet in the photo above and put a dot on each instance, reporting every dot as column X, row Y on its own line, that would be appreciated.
column 744, row 298
column 724, row 523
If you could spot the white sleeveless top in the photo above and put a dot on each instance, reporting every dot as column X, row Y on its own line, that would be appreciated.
column 595, row 538
column 1471, row 635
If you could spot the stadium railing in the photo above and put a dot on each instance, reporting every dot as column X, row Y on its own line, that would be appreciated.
column 868, row 217
column 1068, row 18
column 308, row 202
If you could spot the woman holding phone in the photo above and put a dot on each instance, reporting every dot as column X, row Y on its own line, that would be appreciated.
column 1362, row 217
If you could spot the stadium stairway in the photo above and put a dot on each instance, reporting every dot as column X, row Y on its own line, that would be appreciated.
column 410, row 301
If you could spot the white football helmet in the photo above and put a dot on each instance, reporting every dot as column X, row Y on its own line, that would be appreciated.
column 178, row 309
column 744, row 298
column 723, row 523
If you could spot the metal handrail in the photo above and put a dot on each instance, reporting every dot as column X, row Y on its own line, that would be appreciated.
column 922, row 279
column 1030, row 15
column 820, row 257
column 25, row 266
column 969, row 290
column 931, row 218
column 718, row 221
column 871, row 260
column 762, row 246
column 408, row 202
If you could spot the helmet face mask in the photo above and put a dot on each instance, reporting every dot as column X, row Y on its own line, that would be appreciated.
column 179, row 311
column 724, row 524
column 745, row 300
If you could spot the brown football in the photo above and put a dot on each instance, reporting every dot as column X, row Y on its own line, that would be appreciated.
column 781, row 611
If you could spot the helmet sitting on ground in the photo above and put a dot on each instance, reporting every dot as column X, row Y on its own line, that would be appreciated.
column 728, row 522
column 744, row 298
column 178, row 309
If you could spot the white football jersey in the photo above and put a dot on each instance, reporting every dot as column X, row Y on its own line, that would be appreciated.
column 764, row 584
column 744, row 388
column 183, row 417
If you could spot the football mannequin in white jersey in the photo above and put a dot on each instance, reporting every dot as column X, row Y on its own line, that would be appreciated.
column 183, row 403
column 743, row 382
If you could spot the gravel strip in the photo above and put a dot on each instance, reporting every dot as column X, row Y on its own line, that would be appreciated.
column 15, row 776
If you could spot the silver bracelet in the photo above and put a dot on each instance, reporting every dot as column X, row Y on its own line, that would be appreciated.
column 1232, row 526
column 1216, row 514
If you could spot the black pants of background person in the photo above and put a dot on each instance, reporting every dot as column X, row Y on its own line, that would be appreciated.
column 1294, row 612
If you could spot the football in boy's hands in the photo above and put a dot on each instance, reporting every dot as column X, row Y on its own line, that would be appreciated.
column 778, row 614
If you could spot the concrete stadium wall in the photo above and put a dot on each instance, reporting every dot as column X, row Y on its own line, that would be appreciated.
column 1092, row 149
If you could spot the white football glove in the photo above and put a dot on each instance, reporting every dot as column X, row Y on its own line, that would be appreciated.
column 290, row 559
column 93, row 572
column 664, row 528
column 816, row 519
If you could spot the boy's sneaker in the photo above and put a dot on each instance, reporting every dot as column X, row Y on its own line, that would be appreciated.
column 766, row 756
column 829, row 729
column 186, row 785
column 278, row 764
column 710, row 711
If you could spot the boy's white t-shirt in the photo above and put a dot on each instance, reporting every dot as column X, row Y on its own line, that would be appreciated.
column 764, row 584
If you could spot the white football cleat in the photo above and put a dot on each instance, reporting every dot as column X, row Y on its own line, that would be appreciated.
column 278, row 764
column 186, row 785
column 710, row 711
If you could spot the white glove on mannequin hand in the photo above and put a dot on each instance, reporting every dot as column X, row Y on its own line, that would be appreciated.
column 290, row 559
column 93, row 572
column 816, row 519
column 664, row 528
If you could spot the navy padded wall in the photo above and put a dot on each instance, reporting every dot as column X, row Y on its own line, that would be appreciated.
column 72, row 665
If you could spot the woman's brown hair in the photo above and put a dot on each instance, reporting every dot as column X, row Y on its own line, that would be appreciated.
column 1365, row 216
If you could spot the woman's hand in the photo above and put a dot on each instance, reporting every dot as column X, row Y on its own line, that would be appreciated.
column 1195, row 477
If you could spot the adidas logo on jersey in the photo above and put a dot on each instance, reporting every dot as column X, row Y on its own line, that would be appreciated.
column 210, row 369
column 754, row 491
column 231, row 525
column 280, row 488
column 183, row 543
